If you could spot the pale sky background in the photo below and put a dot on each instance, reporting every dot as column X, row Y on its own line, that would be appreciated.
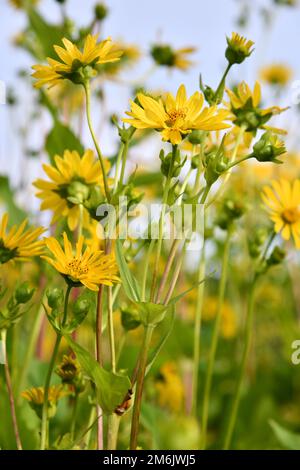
column 200, row 23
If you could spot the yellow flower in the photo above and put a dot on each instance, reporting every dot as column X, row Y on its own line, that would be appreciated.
column 18, row 243
column 238, row 48
column 169, row 387
column 69, row 369
column 89, row 268
column 169, row 57
column 176, row 117
column 276, row 74
column 23, row 3
column 73, row 61
column 130, row 54
column 71, row 180
column 244, row 105
column 35, row 397
column 283, row 204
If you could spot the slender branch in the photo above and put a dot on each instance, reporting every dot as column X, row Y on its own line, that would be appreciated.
column 139, row 387
column 146, row 268
column 168, row 266
column 161, row 220
column 87, row 90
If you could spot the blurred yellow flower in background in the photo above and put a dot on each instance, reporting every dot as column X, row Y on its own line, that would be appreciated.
column 176, row 117
column 18, row 243
column 170, row 388
column 89, row 268
column 276, row 74
column 228, row 319
column 72, row 179
column 282, row 200
column 165, row 55
column 72, row 60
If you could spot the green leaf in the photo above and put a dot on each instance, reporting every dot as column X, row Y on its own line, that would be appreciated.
column 174, row 300
column 111, row 388
column 16, row 215
column 46, row 34
column 129, row 282
column 287, row 439
column 151, row 314
column 60, row 138
column 167, row 327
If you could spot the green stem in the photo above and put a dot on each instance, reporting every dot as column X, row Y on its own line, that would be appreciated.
column 118, row 164
column 197, row 332
column 111, row 334
column 74, row 415
column 87, row 90
column 124, row 160
column 236, row 162
column 146, row 268
column 228, row 172
column 139, row 387
column 10, row 392
column 222, row 81
column 215, row 338
column 49, row 373
column 161, row 220
column 113, row 430
column 242, row 370
column 198, row 317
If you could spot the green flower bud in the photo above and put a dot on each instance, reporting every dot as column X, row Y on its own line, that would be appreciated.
column 268, row 148
column 238, row 49
column 78, row 192
column 163, row 55
column 23, row 293
column 130, row 318
column 196, row 137
column 276, row 257
column 55, row 297
column 166, row 162
column 195, row 161
column 81, row 307
column 101, row 11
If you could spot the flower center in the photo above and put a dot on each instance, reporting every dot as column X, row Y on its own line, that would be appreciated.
column 76, row 268
column 177, row 114
column 291, row 215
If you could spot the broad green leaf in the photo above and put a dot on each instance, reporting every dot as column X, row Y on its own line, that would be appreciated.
column 111, row 388
column 60, row 138
column 46, row 34
column 129, row 282
column 16, row 215
column 287, row 439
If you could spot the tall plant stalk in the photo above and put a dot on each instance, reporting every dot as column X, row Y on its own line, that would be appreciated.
column 44, row 433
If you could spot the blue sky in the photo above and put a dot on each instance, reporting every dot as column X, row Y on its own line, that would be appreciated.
column 200, row 23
